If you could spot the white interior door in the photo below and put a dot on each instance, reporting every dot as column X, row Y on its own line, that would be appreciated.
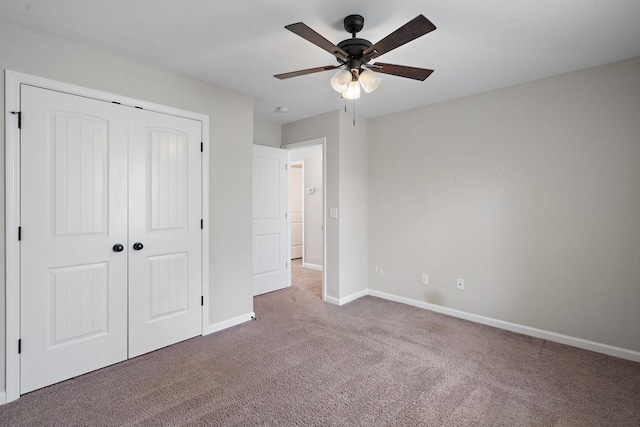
column 74, row 211
column 165, row 215
column 296, row 218
column 269, row 219
column 97, row 178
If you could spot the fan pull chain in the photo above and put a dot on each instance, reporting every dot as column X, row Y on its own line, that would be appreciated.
column 354, row 112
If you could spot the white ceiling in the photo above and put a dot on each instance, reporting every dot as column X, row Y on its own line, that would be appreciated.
column 241, row 44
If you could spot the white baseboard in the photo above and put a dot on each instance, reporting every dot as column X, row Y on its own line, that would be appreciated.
column 229, row 323
column 347, row 299
column 312, row 266
column 622, row 353
column 353, row 297
column 3, row 397
column 332, row 300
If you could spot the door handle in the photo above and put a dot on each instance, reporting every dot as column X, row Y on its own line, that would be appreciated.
column 137, row 246
column 118, row 247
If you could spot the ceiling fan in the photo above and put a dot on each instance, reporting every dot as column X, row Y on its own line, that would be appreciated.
column 354, row 54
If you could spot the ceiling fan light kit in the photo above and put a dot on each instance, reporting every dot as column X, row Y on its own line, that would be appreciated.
column 340, row 81
column 354, row 54
column 369, row 80
column 353, row 91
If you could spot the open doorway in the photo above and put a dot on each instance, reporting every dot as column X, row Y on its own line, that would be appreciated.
column 306, row 220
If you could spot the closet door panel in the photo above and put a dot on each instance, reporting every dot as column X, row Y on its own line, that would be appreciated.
column 164, row 219
column 73, row 212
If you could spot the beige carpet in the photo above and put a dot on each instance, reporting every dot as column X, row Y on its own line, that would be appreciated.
column 370, row 362
column 306, row 279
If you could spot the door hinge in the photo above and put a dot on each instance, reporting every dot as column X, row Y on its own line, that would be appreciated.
column 19, row 233
column 202, row 300
column 202, row 147
column 19, row 346
column 286, row 166
column 286, row 264
column 202, row 224
column 19, row 113
column 286, row 215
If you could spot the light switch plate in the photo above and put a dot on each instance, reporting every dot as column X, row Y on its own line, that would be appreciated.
column 460, row 284
column 333, row 212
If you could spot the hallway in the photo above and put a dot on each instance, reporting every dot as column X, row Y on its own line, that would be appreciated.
column 306, row 278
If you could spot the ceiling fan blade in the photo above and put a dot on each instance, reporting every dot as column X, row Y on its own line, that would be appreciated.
column 417, row 27
column 308, row 34
column 303, row 72
column 402, row 71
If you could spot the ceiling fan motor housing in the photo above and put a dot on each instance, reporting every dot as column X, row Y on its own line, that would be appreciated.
column 354, row 46
column 353, row 24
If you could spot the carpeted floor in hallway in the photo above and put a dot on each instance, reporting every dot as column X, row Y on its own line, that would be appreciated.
column 306, row 279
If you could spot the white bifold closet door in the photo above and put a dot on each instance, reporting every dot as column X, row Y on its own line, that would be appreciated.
column 164, row 216
column 97, row 178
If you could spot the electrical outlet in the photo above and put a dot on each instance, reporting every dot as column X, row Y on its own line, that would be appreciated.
column 460, row 284
column 425, row 279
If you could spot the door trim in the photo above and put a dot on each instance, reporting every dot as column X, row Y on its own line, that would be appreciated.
column 13, row 81
column 323, row 142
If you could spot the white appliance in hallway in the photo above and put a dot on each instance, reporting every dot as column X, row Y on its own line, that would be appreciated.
column 296, row 208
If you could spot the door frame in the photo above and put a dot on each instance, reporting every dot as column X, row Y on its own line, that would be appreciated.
column 13, row 81
column 323, row 142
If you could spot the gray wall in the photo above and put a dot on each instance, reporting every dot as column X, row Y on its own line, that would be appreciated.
column 269, row 134
column 353, row 203
column 530, row 193
column 231, row 137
